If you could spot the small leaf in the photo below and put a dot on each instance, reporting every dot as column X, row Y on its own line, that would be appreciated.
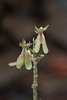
column 44, row 45
column 37, row 45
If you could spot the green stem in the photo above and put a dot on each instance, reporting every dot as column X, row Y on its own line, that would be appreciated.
column 35, row 84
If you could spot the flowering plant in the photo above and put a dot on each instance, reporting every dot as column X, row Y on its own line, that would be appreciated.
column 29, row 56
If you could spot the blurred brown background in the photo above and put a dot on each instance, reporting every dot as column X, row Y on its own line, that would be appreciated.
column 17, row 20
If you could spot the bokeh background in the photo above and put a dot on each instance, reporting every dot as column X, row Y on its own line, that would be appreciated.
column 17, row 20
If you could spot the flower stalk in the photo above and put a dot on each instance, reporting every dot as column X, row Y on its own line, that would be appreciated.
column 28, row 56
column 35, row 83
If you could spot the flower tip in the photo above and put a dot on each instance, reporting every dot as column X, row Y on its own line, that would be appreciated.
column 20, row 44
column 48, row 25
column 9, row 64
column 18, row 67
column 29, row 67
column 12, row 64
column 33, row 39
column 41, row 27
column 45, row 28
column 35, row 27
column 23, row 40
column 46, row 51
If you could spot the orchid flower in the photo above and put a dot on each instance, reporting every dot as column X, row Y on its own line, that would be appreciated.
column 40, row 40
column 24, row 57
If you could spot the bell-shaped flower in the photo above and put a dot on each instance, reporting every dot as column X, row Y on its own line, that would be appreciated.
column 24, row 57
column 40, row 40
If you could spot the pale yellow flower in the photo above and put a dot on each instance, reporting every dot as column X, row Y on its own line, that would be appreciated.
column 40, row 40
column 24, row 57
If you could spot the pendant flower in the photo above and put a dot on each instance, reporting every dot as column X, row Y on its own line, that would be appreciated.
column 40, row 40
column 24, row 57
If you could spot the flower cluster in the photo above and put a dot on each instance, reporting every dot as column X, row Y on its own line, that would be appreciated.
column 40, row 39
column 26, row 57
